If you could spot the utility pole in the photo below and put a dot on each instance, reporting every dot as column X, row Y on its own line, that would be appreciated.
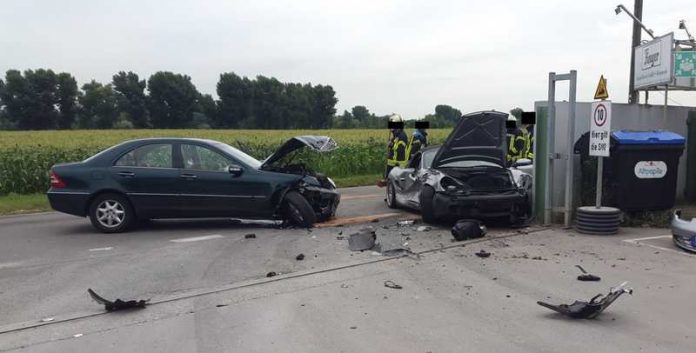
column 638, row 12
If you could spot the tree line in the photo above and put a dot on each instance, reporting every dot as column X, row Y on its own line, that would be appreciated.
column 42, row 99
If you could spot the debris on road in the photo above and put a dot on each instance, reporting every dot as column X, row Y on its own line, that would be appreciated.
column 47, row 319
column 587, row 277
column 250, row 236
column 271, row 274
column 362, row 240
column 424, row 228
column 299, row 257
column 483, row 254
column 468, row 229
column 392, row 285
column 589, row 310
column 77, row 335
column 405, row 223
column 118, row 304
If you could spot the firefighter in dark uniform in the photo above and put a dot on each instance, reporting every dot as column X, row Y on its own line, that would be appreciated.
column 397, row 154
column 419, row 138
column 515, row 140
column 528, row 137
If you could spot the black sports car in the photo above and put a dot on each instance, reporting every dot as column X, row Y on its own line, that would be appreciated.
column 466, row 177
column 188, row 178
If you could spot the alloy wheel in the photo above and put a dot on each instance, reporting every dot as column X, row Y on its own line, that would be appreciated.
column 110, row 213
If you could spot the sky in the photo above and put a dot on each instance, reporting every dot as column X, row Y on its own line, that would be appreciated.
column 391, row 56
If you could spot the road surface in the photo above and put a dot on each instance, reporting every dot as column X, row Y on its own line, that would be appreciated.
column 209, row 290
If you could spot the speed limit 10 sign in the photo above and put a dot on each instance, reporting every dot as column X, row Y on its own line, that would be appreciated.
column 600, row 128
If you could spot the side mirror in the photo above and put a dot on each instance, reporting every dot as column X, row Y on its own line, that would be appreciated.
column 235, row 170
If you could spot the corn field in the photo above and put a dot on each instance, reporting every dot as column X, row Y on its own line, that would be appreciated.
column 26, row 156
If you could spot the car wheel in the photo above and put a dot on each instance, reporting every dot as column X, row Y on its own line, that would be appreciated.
column 391, row 195
column 298, row 211
column 111, row 213
column 426, row 204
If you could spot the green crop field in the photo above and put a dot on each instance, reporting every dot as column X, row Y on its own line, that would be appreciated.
column 26, row 156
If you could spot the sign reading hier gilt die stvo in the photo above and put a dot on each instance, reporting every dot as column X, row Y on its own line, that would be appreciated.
column 600, row 128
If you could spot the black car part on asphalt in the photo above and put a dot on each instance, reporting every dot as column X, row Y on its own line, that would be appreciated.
column 589, row 310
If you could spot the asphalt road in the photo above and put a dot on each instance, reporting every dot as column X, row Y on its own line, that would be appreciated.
column 210, row 292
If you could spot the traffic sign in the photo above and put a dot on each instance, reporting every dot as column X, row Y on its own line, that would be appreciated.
column 601, row 91
column 600, row 128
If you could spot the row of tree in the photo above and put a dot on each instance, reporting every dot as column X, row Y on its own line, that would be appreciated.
column 43, row 99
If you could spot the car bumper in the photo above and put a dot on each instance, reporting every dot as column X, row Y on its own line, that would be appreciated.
column 74, row 203
column 324, row 201
column 511, row 204
column 684, row 233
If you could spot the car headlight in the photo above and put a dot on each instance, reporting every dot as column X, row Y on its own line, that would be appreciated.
column 331, row 182
column 449, row 184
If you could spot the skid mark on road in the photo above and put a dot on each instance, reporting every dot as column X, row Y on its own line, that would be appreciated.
column 641, row 241
column 204, row 237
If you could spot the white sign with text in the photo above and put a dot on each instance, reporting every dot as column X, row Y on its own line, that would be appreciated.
column 600, row 128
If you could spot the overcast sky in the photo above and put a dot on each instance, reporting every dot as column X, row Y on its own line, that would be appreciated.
column 391, row 56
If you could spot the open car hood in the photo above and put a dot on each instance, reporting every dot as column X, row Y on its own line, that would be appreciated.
column 315, row 143
column 478, row 136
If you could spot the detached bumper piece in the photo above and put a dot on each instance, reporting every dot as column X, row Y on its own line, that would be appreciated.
column 512, row 204
column 324, row 201
column 683, row 232
column 589, row 310
column 118, row 304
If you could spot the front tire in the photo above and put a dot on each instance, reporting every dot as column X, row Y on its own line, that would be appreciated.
column 426, row 204
column 391, row 195
column 111, row 213
column 298, row 211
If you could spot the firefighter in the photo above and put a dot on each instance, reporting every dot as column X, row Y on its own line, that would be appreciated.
column 397, row 154
column 516, row 144
column 419, row 138
column 528, row 138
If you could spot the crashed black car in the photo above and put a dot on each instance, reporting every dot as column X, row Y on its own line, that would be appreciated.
column 188, row 178
column 466, row 177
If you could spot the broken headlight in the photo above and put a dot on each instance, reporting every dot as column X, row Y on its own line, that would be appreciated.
column 449, row 184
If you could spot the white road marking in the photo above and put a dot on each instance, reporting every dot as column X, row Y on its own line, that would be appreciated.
column 637, row 241
column 204, row 237
column 102, row 249
column 648, row 238
column 10, row 265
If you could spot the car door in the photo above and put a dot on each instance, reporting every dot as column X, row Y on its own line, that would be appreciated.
column 147, row 175
column 209, row 189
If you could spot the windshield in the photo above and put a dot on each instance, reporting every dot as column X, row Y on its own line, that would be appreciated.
column 428, row 157
column 241, row 156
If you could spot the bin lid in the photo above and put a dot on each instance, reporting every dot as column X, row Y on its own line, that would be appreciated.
column 654, row 137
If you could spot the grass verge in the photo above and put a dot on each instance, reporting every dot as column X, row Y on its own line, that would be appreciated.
column 18, row 204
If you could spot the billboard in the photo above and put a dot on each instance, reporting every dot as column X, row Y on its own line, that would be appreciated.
column 654, row 62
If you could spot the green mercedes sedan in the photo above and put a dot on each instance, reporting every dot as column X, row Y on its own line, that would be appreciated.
column 192, row 178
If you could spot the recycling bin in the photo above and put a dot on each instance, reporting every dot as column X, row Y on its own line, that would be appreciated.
column 645, row 167
column 641, row 173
